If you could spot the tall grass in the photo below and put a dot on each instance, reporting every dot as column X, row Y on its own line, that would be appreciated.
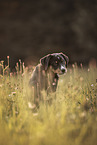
column 71, row 119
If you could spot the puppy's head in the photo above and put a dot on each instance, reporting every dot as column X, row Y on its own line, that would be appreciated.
column 57, row 62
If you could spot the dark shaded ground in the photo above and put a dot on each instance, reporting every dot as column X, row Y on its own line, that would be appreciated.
column 31, row 29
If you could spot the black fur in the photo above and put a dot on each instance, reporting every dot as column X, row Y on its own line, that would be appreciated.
column 46, row 74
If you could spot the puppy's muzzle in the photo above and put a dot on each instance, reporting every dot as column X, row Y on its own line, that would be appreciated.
column 63, row 69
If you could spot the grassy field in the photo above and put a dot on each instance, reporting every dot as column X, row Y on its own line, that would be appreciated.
column 71, row 119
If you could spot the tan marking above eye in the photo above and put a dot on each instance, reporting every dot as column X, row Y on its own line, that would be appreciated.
column 56, row 61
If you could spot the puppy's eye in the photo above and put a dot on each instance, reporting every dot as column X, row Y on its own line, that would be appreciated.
column 56, row 62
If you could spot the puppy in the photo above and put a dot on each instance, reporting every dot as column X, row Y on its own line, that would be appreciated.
column 46, row 74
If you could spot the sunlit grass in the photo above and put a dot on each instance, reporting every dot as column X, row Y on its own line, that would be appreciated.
column 71, row 119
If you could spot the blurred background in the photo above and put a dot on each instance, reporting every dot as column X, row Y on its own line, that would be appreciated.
column 31, row 29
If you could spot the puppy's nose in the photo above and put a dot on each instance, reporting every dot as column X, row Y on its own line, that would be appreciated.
column 63, row 70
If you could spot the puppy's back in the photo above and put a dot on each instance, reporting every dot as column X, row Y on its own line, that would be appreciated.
column 36, row 75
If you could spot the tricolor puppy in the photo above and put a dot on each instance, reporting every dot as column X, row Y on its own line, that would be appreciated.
column 46, row 74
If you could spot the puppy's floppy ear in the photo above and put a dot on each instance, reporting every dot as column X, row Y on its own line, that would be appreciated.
column 45, row 61
column 65, row 57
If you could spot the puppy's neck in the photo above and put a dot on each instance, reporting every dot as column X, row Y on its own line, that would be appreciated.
column 51, row 72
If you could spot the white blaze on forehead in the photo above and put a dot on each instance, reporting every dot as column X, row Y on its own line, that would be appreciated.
column 60, row 58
